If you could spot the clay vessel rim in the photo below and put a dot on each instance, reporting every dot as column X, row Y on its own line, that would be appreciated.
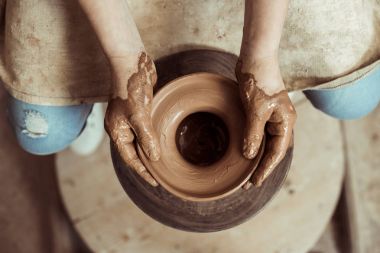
column 229, row 189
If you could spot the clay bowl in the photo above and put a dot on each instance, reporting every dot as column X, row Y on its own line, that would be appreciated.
column 200, row 120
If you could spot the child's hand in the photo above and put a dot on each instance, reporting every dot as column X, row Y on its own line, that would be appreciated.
column 129, row 116
column 267, row 106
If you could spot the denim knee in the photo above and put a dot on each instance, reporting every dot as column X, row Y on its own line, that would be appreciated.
column 352, row 101
column 44, row 130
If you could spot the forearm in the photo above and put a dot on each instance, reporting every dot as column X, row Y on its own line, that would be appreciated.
column 263, row 24
column 119, row 37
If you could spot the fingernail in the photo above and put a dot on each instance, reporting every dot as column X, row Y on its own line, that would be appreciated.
column 257, row 182
column 249, row 150
column 247, row 185
column 154, row 183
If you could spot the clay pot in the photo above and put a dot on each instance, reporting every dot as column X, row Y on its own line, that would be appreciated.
column 200, row 121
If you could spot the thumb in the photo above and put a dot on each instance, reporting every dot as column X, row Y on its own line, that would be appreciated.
column 253, row 134
column 146, row 136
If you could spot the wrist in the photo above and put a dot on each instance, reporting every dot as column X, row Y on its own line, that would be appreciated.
column 130, row 69
column 121, row 72
column 123, row 63
column 265, row 70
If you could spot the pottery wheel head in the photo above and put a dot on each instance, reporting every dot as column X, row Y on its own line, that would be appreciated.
column 199, row 120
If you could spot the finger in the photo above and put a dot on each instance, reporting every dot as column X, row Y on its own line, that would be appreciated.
column 146, row 136
column 122, row 136
column 150, row 66
column 116, row 125
column 127, row 151
column 275, row 150
column 275, row 128
column 129, row 155
column 247, row 185
column 253, row 134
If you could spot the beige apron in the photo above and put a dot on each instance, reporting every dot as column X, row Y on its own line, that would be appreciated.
column 50, row 54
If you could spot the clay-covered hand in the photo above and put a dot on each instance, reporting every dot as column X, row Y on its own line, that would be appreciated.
column 268, row 108
column 129, row 117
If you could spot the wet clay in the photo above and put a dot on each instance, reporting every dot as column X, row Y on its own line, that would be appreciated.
column 202, row 138
column 176, row 211
column 202, row 159
column 275, row 114
column 126, row 118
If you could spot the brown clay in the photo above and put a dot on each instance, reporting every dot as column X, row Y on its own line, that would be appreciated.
column 201, row 92
column 275, row 114
column 200, row 216
column 126, row 118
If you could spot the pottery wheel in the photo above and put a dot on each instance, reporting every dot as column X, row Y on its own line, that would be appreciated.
column 109, row 222
column 172, row 210
column 193, row 216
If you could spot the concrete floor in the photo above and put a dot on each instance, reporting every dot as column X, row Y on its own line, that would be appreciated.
column 33, row 219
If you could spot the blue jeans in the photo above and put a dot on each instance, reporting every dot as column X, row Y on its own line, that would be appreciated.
column 48, row 129
column 44, row 130
column 351, row 101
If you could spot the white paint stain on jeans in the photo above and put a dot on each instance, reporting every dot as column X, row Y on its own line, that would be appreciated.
column 36, row 125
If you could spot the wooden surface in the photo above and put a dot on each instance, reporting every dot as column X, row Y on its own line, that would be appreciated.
column 108, row 221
